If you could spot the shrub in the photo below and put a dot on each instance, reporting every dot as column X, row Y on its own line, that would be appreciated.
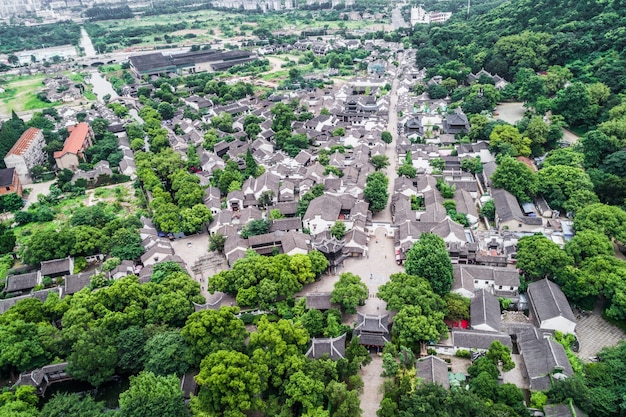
column 462, row 353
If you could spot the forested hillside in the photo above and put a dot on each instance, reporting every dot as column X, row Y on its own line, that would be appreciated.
column 589, row 37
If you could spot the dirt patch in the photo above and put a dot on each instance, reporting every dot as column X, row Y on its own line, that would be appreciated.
column 510, row 112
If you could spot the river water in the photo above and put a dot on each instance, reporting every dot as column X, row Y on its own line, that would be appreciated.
column 102, row 87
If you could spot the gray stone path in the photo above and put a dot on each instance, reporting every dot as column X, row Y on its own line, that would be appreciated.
column 594, row 333
column 372, row 387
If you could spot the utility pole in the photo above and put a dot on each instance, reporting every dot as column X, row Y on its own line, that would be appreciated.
column 468, row 8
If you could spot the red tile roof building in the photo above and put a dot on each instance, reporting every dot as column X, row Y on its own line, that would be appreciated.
column 26, row 153
column 81, row 137
column 10, row 182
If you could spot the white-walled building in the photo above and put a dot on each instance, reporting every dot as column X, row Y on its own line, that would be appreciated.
column 26, row 153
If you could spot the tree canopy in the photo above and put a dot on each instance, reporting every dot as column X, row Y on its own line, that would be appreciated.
column 429, row 258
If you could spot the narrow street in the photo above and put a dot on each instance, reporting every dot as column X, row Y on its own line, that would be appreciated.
column 379, row 265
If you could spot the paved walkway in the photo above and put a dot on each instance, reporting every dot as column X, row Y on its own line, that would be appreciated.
column 372, row 387
column 594, row 334
column 194, row 249
column 35, row 190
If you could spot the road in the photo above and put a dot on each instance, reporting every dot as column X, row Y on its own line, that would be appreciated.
column 380, row 263
column 397, row 21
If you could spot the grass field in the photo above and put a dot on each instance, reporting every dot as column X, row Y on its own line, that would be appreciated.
column 21, row 92
column 208, row 25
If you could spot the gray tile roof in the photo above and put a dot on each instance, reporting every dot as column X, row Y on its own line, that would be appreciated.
column 542, row 356
column 549, row 301
column 471, row 339
column 508, row 208
column 318, row 301
column 40, row 295
column 286, row 224
column 562, row 410
column 75, row 283
column 485, row 310
column 56, row 267
column 21, row 282
column 431, row 369
column 326, row 206
column 335, row 348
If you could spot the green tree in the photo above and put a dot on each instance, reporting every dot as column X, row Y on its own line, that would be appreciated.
column 304, row 394
column 500, row 354
column 379, row 161
column 20, row 346
column 278, row 347
column 564, row 156
column 506, row 139
column 166, row 353
column 429, row 258
column 152, row 395
column 403, row 289
column 575, row 105
column 211, row 330
column 11, row 202
column 230, row 384
column 126, row 244
column 69, row 404
column 282, row 117
column 255, row 227
column 413, row 328
column 472, row 165
column 602, row 218
column 349, row 292
column 216, row 242
column 338, row 230
column 588, row 243
column 166, row 110
column 84, row 365
column 488, row 210
column 407, row 170
column 457, row 306
column 386, row 137
column 557, row 183
column 538, row 257
column 515, row 177
column 596, row 146
column 48, row 244
column 223, row 122
column 195, row 218
column 376, row 191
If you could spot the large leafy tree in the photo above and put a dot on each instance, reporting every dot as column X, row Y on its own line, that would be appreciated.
column 349, row 292
column 575, row 105
column 403, row 289
column 278, row 347
column 602, row 218
column 413, row 327
column 70, row 404
column 167, row 353
column 515, row 177
column 230, row 384
column 587, row 244
column 152, row 395
column 208, row 331
column 376, row 191
column 557, row 183
column 429, row 258
column 539, row 257
column 507, row 140
column 84, row 365
column 20, row 346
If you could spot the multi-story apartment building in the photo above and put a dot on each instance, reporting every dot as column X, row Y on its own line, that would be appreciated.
column 26, row 153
